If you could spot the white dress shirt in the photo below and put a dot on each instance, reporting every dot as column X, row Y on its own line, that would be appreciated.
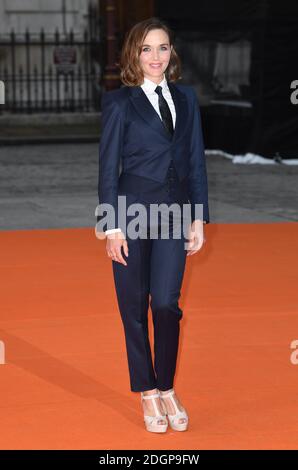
column 149, row 88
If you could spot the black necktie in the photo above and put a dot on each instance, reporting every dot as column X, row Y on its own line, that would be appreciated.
column 164, row 110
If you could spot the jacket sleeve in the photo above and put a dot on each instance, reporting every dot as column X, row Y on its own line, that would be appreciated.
column 110, row 150
column 198, row 183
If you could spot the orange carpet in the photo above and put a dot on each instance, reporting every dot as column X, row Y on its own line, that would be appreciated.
column 65, row 384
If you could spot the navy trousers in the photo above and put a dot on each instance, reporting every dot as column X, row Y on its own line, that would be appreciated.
column 154, row 274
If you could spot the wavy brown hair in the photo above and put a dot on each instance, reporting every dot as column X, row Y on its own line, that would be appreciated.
column 131, row 72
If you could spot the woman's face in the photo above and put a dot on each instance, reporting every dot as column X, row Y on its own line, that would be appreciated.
column 155, row 55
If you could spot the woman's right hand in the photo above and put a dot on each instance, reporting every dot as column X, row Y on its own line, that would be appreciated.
column 114, row 243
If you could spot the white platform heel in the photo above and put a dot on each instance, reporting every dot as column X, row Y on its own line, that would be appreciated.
column 151, row 422
column 174, row 419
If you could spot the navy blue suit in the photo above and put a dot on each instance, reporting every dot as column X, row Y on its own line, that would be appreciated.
column 139, row 158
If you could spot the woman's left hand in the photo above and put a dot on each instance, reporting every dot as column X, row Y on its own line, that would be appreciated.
column 195, row 237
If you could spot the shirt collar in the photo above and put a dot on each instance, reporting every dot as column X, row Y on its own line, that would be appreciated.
column 149, row 86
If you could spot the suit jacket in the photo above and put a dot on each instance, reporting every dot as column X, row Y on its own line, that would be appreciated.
column 135, row 140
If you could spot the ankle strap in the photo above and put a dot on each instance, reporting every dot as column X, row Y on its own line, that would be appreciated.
column 167, row 394
column 146, row 397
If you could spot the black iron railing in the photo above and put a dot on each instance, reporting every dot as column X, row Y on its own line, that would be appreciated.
column 52, row 73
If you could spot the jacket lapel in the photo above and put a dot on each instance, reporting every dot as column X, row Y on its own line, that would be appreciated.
column 147, row 112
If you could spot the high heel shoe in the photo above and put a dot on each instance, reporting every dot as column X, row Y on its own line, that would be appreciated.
column 174, row 419
column 151, row 422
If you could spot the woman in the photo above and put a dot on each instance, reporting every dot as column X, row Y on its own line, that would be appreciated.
column 151, row 127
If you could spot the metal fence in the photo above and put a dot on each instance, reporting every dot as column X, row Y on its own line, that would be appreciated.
column 52, row 73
